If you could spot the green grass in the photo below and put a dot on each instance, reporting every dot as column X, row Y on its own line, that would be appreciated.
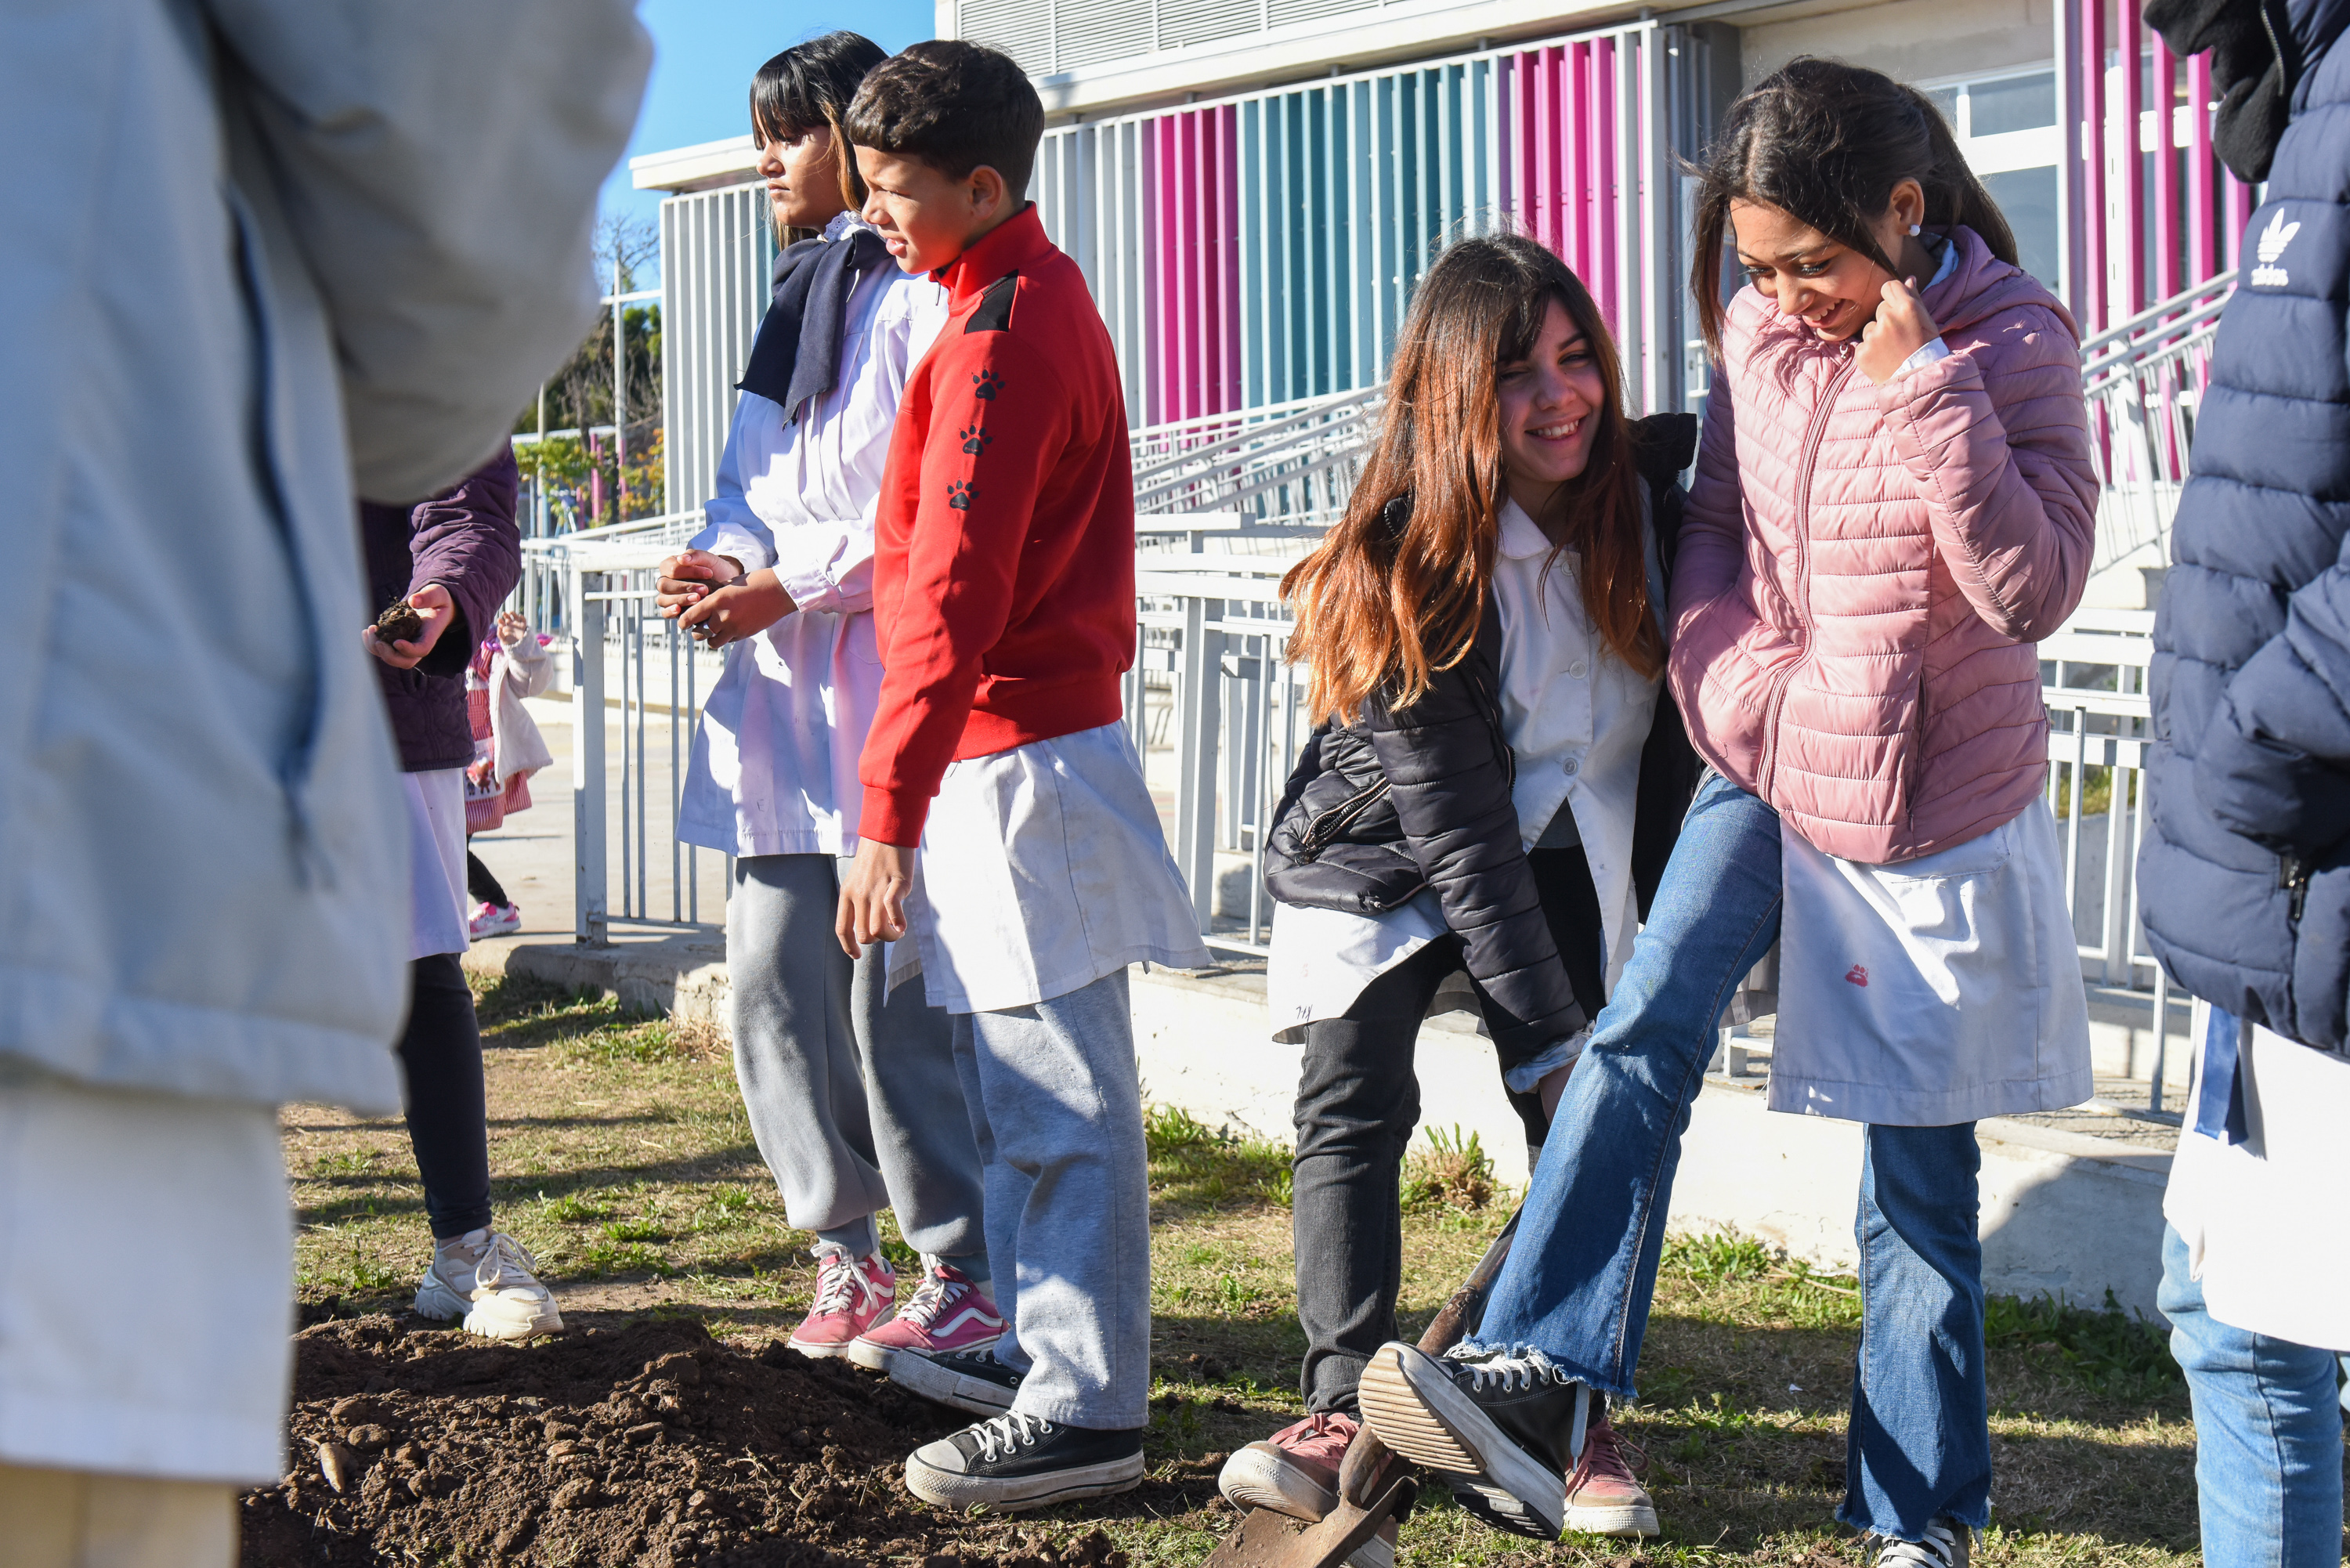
column 624, row 1161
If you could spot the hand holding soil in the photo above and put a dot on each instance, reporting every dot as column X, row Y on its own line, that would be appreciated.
column 403, row 635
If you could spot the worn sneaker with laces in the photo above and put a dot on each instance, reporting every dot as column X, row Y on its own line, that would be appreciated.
column 853, row 1295
column 491, row 1280
column 972, row 1380
column 1948, row 1544
column 1014, row 1462
column 949, row 1312
column 1503, row 1424
column 1295, row 1472
column 490, row 919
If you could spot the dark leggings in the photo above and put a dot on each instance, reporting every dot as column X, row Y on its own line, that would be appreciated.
column 1357, row 1105
column 448, row 1112
column 482, row 885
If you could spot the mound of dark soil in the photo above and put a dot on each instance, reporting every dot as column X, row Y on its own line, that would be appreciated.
column 651, row 1444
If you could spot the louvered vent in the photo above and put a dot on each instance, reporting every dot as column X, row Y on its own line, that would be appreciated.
column 1182, row 22
column 1091, row 31
column 1287, row 11
column 1020, row 28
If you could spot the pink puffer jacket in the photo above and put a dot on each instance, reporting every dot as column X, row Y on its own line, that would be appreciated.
column 1864, row 570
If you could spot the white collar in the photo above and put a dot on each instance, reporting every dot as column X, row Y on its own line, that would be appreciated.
column 1521, row 538
column 844, row 222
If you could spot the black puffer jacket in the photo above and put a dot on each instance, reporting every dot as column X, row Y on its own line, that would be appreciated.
column 1399, row 801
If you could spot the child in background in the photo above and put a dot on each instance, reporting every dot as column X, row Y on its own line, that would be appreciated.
column 1003, row 586
column 507, row 749
column 846, row 1070
column 1894, row 501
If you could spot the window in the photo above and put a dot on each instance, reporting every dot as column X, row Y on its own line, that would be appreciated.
column 2006, row 127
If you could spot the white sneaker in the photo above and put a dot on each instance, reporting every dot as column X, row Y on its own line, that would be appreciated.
column 487, row 1278
column 1948, row 1544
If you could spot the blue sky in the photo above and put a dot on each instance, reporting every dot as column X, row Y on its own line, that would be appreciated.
column 704, row 53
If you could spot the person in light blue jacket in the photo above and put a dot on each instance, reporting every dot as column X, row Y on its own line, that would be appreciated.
column 846, row 1071
column 268, row 258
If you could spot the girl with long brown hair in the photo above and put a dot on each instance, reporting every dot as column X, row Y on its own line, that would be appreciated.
column 1493, row 789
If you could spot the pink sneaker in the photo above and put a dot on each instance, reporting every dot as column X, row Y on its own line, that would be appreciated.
column 492, row 920
column 948, row 1315
column 1603, row 1495
column 1295, row 1472
column 852, row 1295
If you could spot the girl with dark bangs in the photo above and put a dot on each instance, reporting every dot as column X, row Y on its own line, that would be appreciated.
column 845, row 1070
column 1491, row 792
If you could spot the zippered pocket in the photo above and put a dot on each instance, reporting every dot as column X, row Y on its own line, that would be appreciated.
column 1335, row 821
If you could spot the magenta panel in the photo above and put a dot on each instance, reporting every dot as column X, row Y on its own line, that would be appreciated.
column 2202, row 185
column 1194, row 310
column 2090, row 308
column 2132, row 33
column 2167, row 230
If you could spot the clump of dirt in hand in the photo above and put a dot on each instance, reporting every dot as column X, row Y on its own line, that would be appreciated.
column 401, row 623
column 651, row 1444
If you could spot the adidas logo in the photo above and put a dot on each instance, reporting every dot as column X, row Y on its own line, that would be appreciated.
column 2273, row 241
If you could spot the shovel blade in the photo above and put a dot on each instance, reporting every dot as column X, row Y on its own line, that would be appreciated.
column 1270, row 1540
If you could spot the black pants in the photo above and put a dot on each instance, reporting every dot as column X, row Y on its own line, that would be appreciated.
column 448, row 1111
column 1357, row 1105
column 485, row 888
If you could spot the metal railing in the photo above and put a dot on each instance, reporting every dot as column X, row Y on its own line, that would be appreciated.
column 2144, row 382
column 630, row 665
column 1293, row 464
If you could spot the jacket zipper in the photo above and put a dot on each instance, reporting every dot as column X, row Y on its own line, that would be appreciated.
column 1327, row 825
column 1801, row 605
column 2293, row 876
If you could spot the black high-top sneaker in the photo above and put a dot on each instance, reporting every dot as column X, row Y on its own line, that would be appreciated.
column 1504, row 1428
column 971, row 1380
column 1014, row 1461
column 1948, row 1544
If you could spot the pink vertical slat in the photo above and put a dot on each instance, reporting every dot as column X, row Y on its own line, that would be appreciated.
column 1546, row 149
column 2097, row 223
column 1576, row 161
column 2203, row 189
column 2235, row 212
column 1603, row 145
column 1228, row 124
column 1171, row 270
column 1520, row 136
column 1194, row 300
column 2166, row 229
column 2129, row 40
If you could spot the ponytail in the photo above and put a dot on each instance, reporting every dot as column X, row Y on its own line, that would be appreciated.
column 1826, row 142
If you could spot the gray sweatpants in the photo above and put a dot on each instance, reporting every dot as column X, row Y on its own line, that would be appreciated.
column 856, row 1104
column 1057, row 1105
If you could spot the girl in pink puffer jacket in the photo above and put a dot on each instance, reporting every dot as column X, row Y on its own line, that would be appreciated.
column 1894, row 501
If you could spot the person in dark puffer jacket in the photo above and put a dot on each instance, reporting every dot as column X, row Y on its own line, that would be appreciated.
column 2244, row 876
column 1496, row 781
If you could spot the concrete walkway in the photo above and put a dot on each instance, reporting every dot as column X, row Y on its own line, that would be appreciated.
column 2070, row 1202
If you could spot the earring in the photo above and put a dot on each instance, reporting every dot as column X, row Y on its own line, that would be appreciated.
column 1913, row 230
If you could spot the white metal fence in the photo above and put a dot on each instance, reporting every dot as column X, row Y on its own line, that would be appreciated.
column 2144, row 381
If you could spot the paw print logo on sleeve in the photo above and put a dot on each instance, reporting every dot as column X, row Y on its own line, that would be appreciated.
column 959, row 496
column 985, row 384
column 975, row 439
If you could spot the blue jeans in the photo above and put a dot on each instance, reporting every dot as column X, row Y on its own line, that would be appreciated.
column 2268, row 1434
column 1582, row 1272
column 1055, row 1103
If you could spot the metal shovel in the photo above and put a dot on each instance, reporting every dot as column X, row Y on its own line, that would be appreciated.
column 1368, row 1494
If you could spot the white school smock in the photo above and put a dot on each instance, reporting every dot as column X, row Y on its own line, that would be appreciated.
column 1937, row 991
column 2259, row 1217
column 773, row 765
column 1044, row 868
column 1576, row 717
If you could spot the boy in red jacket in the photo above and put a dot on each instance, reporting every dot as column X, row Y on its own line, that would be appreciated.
column 1004, row 595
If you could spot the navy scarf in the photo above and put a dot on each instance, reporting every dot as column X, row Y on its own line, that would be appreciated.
column 797, row 356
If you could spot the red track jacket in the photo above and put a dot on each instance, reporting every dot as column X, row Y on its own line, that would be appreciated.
column 1004, row 551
